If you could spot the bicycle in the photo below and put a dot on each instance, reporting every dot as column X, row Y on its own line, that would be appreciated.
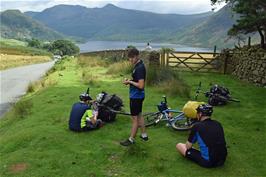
column 178, row 122
column 218, row 95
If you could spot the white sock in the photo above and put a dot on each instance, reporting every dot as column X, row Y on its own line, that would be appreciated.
column 131, row 139
column 144, row 135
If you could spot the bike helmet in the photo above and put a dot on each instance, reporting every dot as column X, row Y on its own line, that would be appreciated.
column 99, row 97
column 205, row 109
column 85, row 97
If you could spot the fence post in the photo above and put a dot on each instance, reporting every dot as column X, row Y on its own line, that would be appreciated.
column 214, row 51
column 249, row 41
column 167, row 59
column 226, row 61
column 163, row 58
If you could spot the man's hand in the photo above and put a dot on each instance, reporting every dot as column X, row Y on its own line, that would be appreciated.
column 126, row 81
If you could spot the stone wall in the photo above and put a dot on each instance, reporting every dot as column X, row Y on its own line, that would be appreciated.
column 248, row 64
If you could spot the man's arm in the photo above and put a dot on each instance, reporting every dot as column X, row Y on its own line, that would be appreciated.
column 140, row 84
column 188, row 145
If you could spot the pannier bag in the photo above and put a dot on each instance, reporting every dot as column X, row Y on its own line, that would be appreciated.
column 107, row 103
column 190, row 107
column 218, row 95
column 106, row 115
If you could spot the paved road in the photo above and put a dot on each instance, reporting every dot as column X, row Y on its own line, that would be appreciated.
column 14, row 82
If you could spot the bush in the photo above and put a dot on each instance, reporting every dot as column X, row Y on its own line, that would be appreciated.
column 34, row 43
column 31, row 87
column 131, row 47
column 64, row 47
column 88, row 61
column 168, row 81
column 88, row 78
column 166, row 50
column 23, row 108
column 122, row 67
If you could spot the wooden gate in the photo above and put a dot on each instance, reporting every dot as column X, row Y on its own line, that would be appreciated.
column 193, row 61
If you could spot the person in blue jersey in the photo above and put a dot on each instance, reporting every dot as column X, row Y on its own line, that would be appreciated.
column 82, row 116
column 136, row 95
column 209, row 135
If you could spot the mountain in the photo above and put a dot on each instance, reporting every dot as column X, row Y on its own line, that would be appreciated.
column 114, row 23
column 15, row 24
column 212, row 31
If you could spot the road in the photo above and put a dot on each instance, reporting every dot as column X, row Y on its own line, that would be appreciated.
column 14, row 82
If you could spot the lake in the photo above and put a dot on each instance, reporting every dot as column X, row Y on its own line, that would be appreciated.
column 111, row 45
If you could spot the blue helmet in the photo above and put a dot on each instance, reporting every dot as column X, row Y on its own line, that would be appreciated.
column 205, row 109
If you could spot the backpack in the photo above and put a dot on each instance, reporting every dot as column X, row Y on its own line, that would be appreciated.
column 218, row 95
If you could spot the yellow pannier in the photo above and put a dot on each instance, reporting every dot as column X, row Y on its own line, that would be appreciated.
column 190, row 109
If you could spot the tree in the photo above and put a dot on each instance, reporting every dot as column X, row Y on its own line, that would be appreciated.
column 252, row 17
column 34, row 43
column 65, row 47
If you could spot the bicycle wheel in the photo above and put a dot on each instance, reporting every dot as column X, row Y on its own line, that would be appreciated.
column 183, row 124
column 151, row 119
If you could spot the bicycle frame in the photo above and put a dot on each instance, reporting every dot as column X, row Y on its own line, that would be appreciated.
column 177, row 122
column 165, row 116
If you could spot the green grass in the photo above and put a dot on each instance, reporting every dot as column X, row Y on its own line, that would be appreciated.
column 42, row 142
column 12, row 42
column 15, row 47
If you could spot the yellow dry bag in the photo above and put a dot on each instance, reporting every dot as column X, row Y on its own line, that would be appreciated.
column 190, row 109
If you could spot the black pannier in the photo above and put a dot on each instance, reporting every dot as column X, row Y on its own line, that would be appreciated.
column 107, row 105
column 218, row 95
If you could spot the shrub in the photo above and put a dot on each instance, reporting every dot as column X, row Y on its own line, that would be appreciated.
column 89, row 61
column 122, row 67
column 88, row 78
column 166, row 50
column 64, row 47
column 34, row 43
column 168, row 81
column 31, row 87
column 23, row 108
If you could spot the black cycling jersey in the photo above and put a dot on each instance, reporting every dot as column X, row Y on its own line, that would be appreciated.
column 210, row 136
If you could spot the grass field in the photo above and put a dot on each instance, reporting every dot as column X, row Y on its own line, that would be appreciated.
column 35, row 140
column 16, row 53
column 9, row 61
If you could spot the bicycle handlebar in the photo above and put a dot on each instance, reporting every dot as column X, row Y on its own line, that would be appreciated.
column 165, row 99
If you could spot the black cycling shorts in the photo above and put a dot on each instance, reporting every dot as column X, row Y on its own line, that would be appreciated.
column 136, row 106
column 195, row 156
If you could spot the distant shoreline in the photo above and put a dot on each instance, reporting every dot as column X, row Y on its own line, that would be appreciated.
column 91, row 46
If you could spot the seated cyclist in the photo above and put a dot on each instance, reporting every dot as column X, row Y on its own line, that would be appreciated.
column 82, row 117
column 210, row 137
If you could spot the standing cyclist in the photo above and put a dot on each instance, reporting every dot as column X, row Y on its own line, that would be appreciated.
column 210, row 136
column 137, row 95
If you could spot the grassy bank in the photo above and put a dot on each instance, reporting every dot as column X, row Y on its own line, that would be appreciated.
column 40, row 144
column 16, row 53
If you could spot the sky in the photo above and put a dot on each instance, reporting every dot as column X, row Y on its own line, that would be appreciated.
column 157, row 6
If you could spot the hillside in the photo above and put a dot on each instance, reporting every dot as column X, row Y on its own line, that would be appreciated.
column 17, row 25
column 114, row 23
column 213, row 30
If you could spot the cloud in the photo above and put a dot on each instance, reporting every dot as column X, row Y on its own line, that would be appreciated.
column 157, row 6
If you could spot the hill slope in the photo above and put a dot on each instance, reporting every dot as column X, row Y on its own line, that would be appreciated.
column 15, row 24
column 114, row 23
column 213, row 30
